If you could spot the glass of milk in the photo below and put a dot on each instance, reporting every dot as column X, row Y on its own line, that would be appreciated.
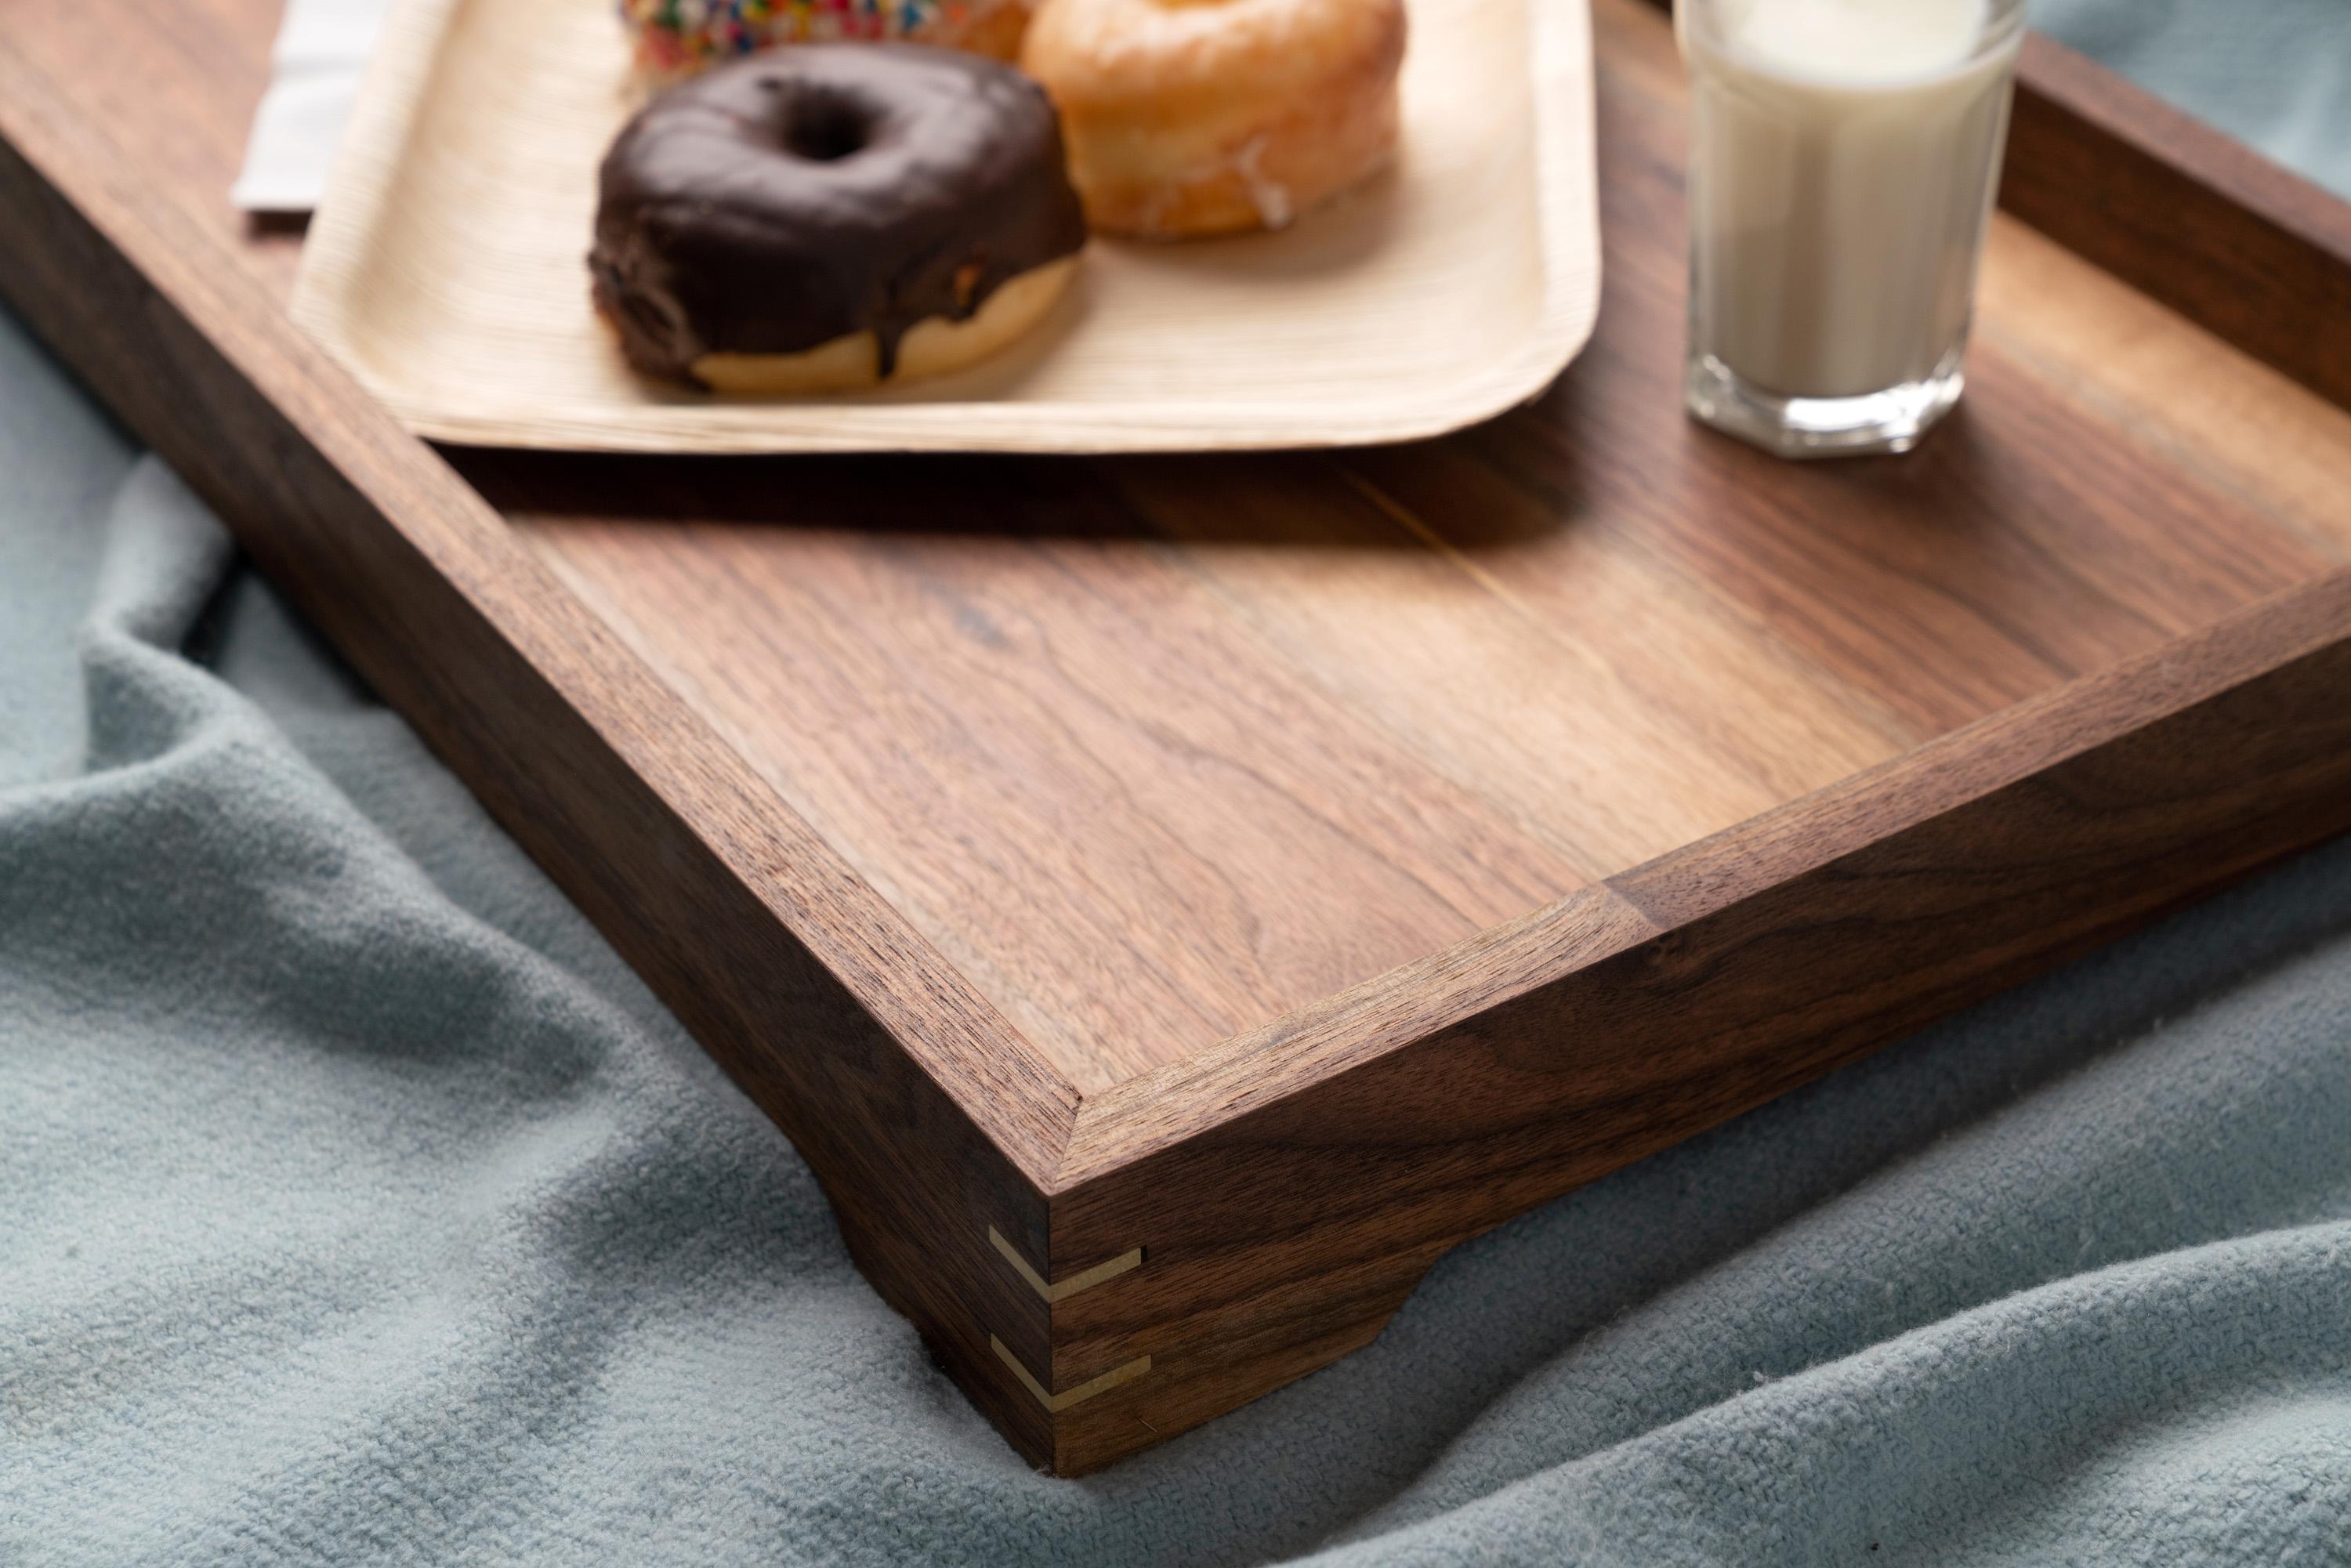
column 1843, row 157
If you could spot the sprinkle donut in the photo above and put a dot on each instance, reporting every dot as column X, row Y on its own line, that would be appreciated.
column 676, row 38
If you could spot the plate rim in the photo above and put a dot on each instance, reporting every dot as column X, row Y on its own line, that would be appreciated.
column 393, row 89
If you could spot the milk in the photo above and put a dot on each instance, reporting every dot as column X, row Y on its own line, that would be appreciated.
column 1843, row 161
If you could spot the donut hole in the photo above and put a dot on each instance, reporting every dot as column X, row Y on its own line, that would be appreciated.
column 823, row 126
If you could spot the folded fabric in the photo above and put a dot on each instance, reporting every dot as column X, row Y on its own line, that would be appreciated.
column 322, row 49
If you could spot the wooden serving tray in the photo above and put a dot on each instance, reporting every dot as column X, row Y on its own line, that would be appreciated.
column 446, row 270
column 1171, row 901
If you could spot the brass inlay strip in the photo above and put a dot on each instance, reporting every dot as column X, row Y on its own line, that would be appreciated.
column 1057, row 1403
column 1085, row 1280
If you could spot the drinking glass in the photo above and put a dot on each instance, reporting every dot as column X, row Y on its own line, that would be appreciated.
column 1843, row 159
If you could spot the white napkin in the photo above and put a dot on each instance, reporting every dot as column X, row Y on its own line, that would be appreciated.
column 322, row 45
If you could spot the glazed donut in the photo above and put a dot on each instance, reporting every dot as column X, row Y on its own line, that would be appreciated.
column 1191, row 117
column 675, row 37
column 822, row 218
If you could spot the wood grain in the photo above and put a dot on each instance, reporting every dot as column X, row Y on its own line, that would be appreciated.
column 1686, row 991
column 1210, row 889
column 1132, row 786
column 446, row 271
column 184, row 78
column 2205, row 225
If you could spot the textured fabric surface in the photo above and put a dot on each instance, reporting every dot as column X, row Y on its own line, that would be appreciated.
column 357, row 1205
column 2274, row 73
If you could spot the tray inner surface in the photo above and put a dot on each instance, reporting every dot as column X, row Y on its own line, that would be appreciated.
column 1158, row 750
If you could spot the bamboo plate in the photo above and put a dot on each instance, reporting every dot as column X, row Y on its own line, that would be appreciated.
column 446, row 271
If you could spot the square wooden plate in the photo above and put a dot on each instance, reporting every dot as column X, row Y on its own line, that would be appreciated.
column 1171, row 900
column 446, row 269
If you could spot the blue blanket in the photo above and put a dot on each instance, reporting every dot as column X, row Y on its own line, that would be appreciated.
column 357, row 1205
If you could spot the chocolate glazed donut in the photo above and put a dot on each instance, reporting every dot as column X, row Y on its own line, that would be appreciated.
column 753, row 218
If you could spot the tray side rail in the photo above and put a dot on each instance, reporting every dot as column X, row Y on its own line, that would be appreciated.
column 931, row 1124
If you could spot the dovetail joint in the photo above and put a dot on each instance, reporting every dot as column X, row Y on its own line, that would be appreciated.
column 1062, row 1290
column 1057, row 1403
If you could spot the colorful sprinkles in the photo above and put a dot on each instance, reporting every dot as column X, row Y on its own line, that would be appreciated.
column 675, row 36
